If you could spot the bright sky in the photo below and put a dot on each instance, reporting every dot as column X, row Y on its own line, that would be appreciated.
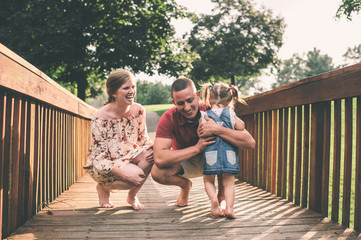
column 310, row 23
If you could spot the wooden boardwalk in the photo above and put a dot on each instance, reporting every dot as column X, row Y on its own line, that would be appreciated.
column 75, row 215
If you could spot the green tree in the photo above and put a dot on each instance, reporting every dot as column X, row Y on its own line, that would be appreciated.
column 317, row 63
column 71, row 39
column 347, row 7
column 236, row 41
column 142, row 89
column 290, row 70
column 297, row 68
column 353, row 55
column 157, row 94
column 152, row 93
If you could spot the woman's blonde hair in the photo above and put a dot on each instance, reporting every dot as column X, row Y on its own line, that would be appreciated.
column 221, row 94
column 115, row 80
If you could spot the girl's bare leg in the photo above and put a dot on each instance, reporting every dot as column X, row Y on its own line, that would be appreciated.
column 228, row 185
column 220, row 195
column 212, row 194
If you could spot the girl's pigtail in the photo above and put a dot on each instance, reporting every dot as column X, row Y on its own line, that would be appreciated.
column 206, row 89
column 235, row 95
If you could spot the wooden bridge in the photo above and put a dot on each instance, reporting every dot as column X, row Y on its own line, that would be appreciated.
column 303, row 180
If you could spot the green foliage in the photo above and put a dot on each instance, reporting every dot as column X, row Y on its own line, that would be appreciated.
column 235, row 42
column 353, row 55
column 153, row 93
column 316, row 63
column 297, row 68
column 347, row 7
column 74, row 39
column 290, row 70
column 142, row 88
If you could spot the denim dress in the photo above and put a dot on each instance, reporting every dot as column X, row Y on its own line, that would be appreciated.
column 220, row 157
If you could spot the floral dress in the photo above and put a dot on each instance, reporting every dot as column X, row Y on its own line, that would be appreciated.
column 115, row 143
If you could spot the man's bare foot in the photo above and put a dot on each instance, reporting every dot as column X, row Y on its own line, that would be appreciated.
column 230, row 214
column 215, row 210
column 182, row 200
column 134, row 202
column 104, row 196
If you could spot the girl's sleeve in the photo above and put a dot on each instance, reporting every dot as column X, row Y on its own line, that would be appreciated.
column 143, row 137
column 233, row 117
column 99, row 156
column 203, row 113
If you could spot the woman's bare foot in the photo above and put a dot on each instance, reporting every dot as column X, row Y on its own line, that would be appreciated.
column 215, row 210
column 182, row 200
column 104, row 196
column 134, row 202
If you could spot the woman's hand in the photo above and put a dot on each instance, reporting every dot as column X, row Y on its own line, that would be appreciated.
column 130, row 174
column 146, row 154
column 135, row 178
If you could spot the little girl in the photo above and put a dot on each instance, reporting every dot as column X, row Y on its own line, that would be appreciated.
column 221, row 158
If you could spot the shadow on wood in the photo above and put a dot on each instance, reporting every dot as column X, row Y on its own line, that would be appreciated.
column 260, row 215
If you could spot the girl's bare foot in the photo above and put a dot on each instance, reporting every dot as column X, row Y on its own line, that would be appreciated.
column 222, row 208
column 230, row 214
column 182, row 200
column 104, row 196
column 215, row 210
column 134, row 202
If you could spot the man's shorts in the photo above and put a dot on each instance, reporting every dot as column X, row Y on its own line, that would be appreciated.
column 192, row 168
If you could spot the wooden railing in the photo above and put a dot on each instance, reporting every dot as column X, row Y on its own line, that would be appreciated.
column 308, row 144
column 44, row 140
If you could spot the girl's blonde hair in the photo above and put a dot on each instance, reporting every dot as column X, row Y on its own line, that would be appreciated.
column 221, row 94
column 115, row 80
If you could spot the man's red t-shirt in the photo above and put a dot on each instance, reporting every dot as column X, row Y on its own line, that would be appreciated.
column 175, row 126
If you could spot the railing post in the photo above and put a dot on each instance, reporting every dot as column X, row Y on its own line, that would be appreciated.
column 2, row 137
column 316, row 156
column 336, row 161
column 326, row 158
column 347, row 164
column 358, row 168
column 306, row 157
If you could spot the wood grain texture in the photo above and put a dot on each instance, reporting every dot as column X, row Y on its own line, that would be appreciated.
column 260, row 215
column 20, row 76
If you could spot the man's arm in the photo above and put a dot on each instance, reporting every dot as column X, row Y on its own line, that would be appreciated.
column 239, row 138
column 164, row 156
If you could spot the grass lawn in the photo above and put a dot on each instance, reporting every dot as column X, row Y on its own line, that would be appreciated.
column 158, row 108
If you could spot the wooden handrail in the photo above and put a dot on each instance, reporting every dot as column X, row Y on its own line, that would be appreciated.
column 306, row 132
column 45, row 136
column 338, row 84
column 20, row 76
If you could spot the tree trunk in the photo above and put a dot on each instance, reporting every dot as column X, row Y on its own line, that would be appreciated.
column 81, row 88
column 82, row 84
column 233, row 82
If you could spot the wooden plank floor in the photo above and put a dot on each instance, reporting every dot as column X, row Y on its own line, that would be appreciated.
column 75, row 215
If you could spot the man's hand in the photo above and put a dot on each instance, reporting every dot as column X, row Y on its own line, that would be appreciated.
column 204, row 142
column 237, row 137
column 208, row 129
